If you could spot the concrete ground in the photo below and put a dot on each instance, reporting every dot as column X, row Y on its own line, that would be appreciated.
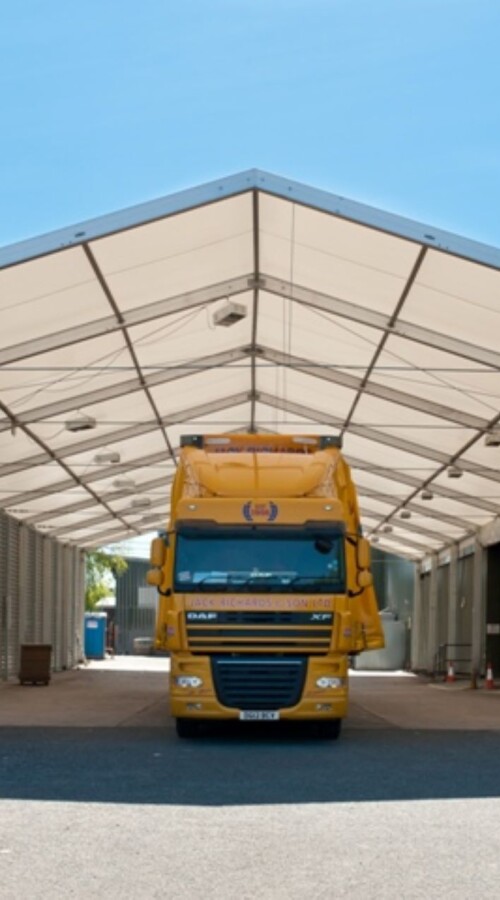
column 132, row 692
column 98, row 797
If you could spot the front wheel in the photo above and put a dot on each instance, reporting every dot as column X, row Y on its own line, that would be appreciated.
column 187, row 728
column 328, row 730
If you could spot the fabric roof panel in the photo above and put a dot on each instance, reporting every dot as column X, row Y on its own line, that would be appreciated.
column 201, row 388
column 441, row 377
column 15, row 445
column 333, row 255
column 377, row 454
column 295, row 328
column 459, row 298
column 73, row 371
column 48, row 294
column 178, row 254
column 187, row 336
column 415, row 427
column 285, row 383
column 110, row 417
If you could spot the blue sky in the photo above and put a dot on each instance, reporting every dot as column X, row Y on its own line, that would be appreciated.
column 110, row 103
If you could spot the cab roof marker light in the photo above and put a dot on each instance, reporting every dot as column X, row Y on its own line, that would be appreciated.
column 217, row 440
column 305, row 440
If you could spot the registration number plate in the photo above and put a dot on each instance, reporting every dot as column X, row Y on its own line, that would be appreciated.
column 259, row 715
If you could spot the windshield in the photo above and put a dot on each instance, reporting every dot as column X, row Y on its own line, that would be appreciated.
column 305, row 561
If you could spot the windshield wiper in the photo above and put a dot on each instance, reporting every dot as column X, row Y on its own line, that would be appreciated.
column 210, row 581
column 320, row 580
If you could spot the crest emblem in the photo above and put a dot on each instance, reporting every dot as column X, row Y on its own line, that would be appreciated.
column 260, row 512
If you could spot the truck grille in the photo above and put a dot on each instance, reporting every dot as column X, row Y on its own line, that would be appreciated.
column 280, row 631
column 257, row 683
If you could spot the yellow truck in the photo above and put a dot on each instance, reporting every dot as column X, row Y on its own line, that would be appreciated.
column 264, row 581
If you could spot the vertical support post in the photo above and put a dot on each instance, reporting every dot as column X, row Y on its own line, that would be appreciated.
column 478, row 637
column 452, row 632
column 432, row 635
column 24, row 567
column 416, row 626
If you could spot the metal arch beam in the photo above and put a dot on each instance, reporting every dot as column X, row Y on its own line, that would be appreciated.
column 73, row 508
column 130, row 346
column 101, row 474
column 130, row 432
column 108, row 537
column 114, row 495
column 392, row 395
column 284, row 189
column 393, row 538
column 365, row 382
column 105, row 538
column 372, row 434
column 404, row 525
column 416, row 484
column 133, row 431
column 255, row 306
column 147, row 486
column 395, row 501
column 364, row 316
column 426, row 453
column 73, row 479
column 123, row 388
column 136, row 316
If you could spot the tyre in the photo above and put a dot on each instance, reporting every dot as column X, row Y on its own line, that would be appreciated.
column 187, row 728
column 329, row 730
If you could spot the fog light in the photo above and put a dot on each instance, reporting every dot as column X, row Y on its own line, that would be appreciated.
column 194, row 707
column 327, row 682
column 188, row 681
column 324, row 707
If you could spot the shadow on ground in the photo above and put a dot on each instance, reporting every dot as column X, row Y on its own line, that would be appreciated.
column 237, row 766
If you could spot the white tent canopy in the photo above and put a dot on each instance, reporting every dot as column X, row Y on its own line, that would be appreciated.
column 249, row 303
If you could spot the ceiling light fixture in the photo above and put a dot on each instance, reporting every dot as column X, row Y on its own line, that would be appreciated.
column 140, row 502
column 107, row 456
column 229, row 314
column 387, row 529
column 84, row 423
column 492, row 438
column 454, row 472
column 405, row 514
column 427, row 495
column 124, row 484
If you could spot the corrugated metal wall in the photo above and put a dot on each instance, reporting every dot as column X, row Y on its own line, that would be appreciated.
column 394, row 581
column 41, row 596
column 424, row 622
column 133, row 620
column 443, row 601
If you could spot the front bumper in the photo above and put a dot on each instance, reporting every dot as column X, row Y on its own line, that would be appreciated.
column 315, row 703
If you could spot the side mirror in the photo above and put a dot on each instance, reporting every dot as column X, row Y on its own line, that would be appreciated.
column 154, row 577
column 158, row 552
column 363, row 553
column 365, row 578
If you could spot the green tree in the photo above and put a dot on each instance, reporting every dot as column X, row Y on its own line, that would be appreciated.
column 100, row 569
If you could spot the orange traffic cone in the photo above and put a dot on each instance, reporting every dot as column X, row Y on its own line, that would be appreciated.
column 450, row 675
column 489, row 683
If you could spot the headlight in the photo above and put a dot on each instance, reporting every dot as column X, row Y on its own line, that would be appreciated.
column 326, row 682
column 188, row 681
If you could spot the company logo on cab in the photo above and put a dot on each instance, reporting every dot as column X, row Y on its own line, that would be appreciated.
column 263, row 512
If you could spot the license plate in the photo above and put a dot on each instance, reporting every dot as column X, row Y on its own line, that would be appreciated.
column 259, row 715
